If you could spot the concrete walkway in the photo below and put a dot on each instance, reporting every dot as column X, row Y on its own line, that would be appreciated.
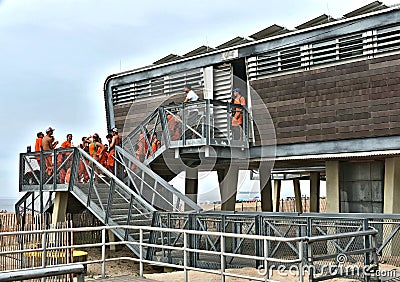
column 123, row 278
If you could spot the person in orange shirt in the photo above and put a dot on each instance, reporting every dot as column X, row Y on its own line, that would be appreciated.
column 38, row 145
column 142, row 147
column 68, row 142
column 155, row 144
column 113, row 140
column 174, row 127
column 237, row 118
column 95, row 147
column 62, row 157
column 83, row 175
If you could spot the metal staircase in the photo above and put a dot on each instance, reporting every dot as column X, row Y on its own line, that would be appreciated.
column 139, row 185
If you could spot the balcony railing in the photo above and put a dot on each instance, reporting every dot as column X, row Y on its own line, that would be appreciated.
column 206, row 122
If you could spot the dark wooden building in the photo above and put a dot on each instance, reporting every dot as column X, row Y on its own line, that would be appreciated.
column 330, row 89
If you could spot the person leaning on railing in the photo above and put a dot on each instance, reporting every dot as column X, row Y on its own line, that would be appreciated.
column 192, row 111
column 237, row 114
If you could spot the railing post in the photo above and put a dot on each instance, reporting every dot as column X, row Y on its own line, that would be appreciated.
column 185, row 259
column 44, row 248
column 110, row 200
column 310, row 262
column 301, row 258
column 91, row 181
column 183, row 125
column 266, row 255
column 74, row 169
column 164, row 126
column 228, row 123
column 367, row 245
column 207, row 127
column 222, row 258
column 41, row 172
column 141, row 251
column 258, row 244
column 41, row 182
column 103, row 253
column 54, row 169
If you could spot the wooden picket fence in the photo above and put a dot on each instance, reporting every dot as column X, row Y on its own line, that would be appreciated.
column 29, row 259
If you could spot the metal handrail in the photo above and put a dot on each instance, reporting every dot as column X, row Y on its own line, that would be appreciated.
column 302, row 259
column 203, row 131
column 127, row 160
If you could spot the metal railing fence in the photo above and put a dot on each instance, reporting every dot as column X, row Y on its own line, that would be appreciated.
column 304, row 260
column 282, row 225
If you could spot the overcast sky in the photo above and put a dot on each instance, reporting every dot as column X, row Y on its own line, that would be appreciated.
column 55, row 55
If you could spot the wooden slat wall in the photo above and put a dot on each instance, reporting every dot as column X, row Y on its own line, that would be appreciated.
column 352, row 100
column 128, row 116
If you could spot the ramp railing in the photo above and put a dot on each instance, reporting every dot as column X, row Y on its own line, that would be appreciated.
column 153, row 188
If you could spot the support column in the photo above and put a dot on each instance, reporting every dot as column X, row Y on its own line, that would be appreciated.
column 391, row 197
column 60, row 207
column 228, row 180
column 332, row 186
column 191, row 185
column 297, row 195
column 266, row 193
column 277, row 194
column 332, row 197
column 315, row 188
column 111, row 239
column 391, row 189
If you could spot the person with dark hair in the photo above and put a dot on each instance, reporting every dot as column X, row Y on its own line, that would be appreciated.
column 83, row 175
column 68, row 142
column 192, row 111
column 38, row 143
column 237, row 118
column 84, row 145
column 96, row 148
column 61, row 157
column 155, row 143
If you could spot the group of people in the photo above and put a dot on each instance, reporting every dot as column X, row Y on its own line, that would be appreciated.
column 103, row 153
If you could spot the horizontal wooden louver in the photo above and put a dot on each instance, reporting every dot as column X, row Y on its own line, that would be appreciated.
column 355, row 46
column 149, row 88
column 388, row 39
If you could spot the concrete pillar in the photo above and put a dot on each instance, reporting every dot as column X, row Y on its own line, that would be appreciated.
column 332, row 186
column 391, row 189
column 332, row 197
column 191, row 185
column 111, row 239
column 277, row 194
column 228, row 180
column 314, row 191
column 266, row 192
column 391, row 198
column 60, row 207
column 297, row 195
